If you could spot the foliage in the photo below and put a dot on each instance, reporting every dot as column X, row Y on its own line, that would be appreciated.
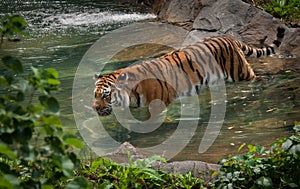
column 287, row 10
column 277, row 167
column 33, row 151
column 10, row 26
column 104, row 173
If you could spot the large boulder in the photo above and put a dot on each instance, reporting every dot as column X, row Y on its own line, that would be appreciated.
column 236, row 18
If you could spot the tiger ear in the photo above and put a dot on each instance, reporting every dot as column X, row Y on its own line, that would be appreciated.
column 97, row 76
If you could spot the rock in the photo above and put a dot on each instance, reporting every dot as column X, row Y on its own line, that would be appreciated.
column 291, row 43
column 178, row 11
column 236, row 18
column 198, row 168
column 206, row 18
column 123, row 152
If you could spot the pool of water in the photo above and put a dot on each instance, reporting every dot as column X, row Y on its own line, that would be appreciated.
column 61, row 32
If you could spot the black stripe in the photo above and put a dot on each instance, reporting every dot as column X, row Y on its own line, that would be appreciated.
column 200, row 77
column 189, row 61
column 141, row 70
column 249, row 52
column 273, row 50
column 211, row 51
column 219, row 55
column 155, row 63
column 197, row 56
column 150, row 70
column 258, row 53
column 180, row 62
column 177, row 63
column 197, row 89
column 277, row 43
column 207, row 79
column 138, row 99
column 227, row 47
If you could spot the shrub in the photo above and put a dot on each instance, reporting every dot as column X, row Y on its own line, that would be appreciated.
column 277, row 167
column 10, row 26
column 34, row 152
column 104, row 173
column 288, row 10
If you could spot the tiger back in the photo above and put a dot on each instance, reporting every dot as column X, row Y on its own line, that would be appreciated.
column 181, row 73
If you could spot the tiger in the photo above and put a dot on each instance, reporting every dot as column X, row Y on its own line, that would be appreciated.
column 179, row 73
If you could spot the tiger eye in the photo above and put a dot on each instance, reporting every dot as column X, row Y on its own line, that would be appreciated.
column 122, row 76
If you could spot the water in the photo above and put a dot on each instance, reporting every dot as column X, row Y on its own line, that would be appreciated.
column 62, row 31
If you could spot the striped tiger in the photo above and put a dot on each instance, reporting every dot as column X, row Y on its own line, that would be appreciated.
column 180, row 73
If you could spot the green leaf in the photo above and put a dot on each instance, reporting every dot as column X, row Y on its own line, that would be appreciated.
column 53, row 81
column 52, row 120
column 78, row 183
column 5, row 150
column 36, row 72
column 4, row 82
column 67, row 166
column 21, row 85
column 22, row 134
column 74, row 142
column 287, row 144
column 264, row 182
column 295, row 149
column 297, row 127
column 12, row 179
column 241, row 147
column 53, row 104
column 52, row 72
column 47, row 187
column 50, row 103
column 13, row 63
column 4, row 183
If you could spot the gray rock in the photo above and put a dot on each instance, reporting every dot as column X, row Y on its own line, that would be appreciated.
column 198, row 168
column 232, row 17
column 178, row 11
column 291, row 43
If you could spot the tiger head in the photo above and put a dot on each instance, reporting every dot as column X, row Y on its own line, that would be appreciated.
column 104, row 93
column 102, row 98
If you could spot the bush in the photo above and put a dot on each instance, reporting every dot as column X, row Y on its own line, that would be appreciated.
column 277, row 167
column 104, row 173
column 34, row 152
column 11, row 26
column 286, row 10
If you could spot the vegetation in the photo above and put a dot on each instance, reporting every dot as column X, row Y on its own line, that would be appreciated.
column 11, row 27
column 276, row 167
column 34, row 152
column 103, row 173
column 287, row 10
